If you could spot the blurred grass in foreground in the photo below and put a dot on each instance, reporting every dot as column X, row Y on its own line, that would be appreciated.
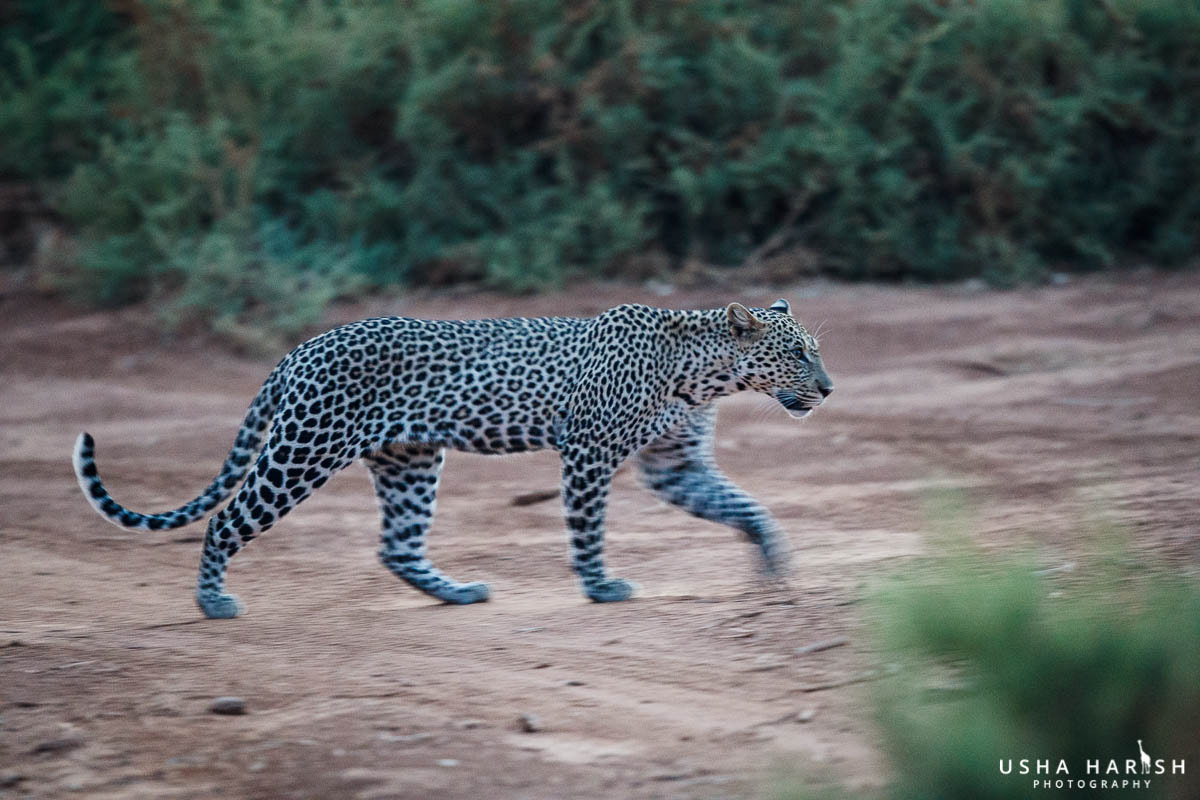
column 999, row 660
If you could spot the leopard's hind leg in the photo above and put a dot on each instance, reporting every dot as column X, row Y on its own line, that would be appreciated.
column 282, row 478
column 406, row 481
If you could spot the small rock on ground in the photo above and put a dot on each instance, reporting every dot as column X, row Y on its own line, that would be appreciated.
column 818, row 647
column 59, row 745
column 529, row 723
column 406, row 738
column 228, row 705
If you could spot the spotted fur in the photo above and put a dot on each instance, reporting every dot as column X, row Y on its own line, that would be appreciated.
column 397, row 392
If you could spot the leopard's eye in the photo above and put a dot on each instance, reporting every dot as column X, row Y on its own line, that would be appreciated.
column 803, row 355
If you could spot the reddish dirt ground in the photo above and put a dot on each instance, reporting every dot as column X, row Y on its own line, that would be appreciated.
column 1056, row 411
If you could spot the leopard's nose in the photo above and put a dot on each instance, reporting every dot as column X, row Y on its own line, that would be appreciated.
column 826, row 389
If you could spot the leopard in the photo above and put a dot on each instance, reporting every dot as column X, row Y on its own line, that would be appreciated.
column 635, row 381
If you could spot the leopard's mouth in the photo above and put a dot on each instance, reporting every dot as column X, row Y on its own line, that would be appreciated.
column 794, row 404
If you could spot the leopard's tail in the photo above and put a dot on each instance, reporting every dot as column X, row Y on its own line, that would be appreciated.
column 237, row 464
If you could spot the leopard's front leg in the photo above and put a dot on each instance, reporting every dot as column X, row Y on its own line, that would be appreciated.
column 587, row 476
column 680, row 468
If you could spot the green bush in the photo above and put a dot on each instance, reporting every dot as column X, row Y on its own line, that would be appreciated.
column 65, row 69
column 997, row 662
column 519, row 143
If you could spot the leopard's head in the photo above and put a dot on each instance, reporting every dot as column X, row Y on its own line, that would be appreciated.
column 777, row 356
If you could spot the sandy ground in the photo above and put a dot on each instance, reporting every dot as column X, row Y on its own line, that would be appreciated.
column 1058, row 412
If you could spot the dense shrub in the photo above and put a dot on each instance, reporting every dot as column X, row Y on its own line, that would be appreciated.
column 65, row 73
column 373, row 143
column 998, row 663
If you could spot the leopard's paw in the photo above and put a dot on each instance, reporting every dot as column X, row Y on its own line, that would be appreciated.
column 612, row 590
column 464, row 593
column 219, row 606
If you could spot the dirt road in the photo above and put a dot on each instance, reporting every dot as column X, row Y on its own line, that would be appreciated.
column 1052, row 409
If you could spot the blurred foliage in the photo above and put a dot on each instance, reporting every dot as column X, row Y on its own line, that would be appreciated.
column 206, row 149
column 998, row 661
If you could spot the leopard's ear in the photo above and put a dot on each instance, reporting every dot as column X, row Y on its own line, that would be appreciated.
column 782, row 306
column 742, row 322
